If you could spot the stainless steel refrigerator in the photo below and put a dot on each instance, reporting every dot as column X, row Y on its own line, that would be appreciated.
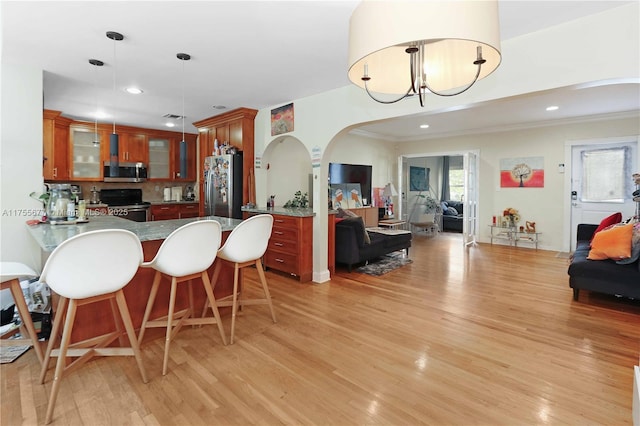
column 223, row 186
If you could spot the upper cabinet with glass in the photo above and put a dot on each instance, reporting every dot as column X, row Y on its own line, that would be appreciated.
column 159, row 158
column 85, row 156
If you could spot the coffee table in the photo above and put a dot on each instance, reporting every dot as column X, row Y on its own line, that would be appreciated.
column 393, row 223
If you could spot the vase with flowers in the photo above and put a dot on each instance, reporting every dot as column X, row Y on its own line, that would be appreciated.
column 512, row 216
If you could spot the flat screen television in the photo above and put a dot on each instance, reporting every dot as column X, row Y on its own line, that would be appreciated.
column 352, row 173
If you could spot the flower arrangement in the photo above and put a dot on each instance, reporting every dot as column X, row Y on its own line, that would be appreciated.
column 512, row 214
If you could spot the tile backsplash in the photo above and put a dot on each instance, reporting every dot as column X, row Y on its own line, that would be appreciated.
column 151, row 191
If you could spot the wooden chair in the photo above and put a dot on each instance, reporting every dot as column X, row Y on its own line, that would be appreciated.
column 84, row 269
column 186, row 254
column 11, row 272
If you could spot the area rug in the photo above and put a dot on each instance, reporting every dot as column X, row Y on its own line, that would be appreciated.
column 11, row 353
column 385, row 264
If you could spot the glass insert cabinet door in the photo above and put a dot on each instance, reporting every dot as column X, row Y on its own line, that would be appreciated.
column 86, row 154
column 159, row 155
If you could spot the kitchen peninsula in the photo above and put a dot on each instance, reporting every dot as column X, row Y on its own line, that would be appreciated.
column 97, row 319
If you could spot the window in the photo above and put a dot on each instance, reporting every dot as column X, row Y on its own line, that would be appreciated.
column 606, row 175
column 456, row 184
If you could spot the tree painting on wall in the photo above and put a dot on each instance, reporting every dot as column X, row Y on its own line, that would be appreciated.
column 522, row 172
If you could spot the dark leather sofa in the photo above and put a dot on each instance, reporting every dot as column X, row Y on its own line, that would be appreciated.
column 352, row 247
column 602, row 276
column 451, row 221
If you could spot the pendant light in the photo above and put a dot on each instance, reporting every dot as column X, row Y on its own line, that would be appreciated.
column 96, row 63
column 113, row 138
column 183, row 144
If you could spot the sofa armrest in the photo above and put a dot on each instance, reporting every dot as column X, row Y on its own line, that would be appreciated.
column 585, row 231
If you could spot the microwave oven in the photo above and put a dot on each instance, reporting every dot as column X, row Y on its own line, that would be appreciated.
column 125, row 172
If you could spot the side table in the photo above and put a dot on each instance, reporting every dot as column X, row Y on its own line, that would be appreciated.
column 513, row 235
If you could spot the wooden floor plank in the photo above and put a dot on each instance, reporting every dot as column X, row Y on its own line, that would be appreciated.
column 478, row 335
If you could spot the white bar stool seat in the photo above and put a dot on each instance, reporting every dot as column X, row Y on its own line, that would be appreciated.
column 84, row 269
column 186, row 254
column 11, row 272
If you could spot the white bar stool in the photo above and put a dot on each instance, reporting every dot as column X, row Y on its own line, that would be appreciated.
column 186, row 254
column 244, row 247
column 84, row 269
column 11, row 272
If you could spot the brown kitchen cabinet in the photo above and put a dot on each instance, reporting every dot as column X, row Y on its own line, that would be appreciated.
column 189, row 210
column 290, row 247
column 237, row 128
column 165, row 211
column 55, row 146
column 133, row 148
column 73, row 150
column 164, row 158
column 174, row 211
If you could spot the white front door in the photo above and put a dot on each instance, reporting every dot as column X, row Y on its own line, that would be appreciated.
column 601, row 182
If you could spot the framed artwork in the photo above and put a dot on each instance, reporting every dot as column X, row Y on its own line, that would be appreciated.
column 418, row 178
column 338, row 194
column 522, row 172
column 354, row 195
column 282, row 120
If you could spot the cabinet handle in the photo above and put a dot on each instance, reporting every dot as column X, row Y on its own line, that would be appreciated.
column 164, row 208
column 279, row 220
column 278, row 244
column 55, row 172
column 278, row 232
column 279, row 260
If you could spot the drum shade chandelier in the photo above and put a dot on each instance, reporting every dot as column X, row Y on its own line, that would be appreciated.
column 408, row 48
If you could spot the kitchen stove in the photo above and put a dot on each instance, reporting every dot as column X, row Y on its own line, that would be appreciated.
column 126, row 203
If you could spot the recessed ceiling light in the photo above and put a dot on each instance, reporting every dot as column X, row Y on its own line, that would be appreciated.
column 133, row 90
column 219, row 107
column 552, row 108
column 100, row 115
column 424, row 126
column 169, row 124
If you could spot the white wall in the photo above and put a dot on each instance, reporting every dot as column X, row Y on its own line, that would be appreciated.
column 20, row 161
column 288, row 166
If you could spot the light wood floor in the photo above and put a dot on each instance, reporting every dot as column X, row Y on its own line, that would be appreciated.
column 487, row 335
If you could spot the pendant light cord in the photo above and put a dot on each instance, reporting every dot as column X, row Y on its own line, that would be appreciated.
column 183, row 117
column 115, row 70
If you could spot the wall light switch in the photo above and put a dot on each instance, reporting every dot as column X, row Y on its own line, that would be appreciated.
column 561, row 168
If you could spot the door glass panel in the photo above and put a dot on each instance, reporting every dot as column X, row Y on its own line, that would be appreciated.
column 605, row 175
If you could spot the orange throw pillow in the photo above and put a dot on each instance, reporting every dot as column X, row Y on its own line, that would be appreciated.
column 613, row 243
column 607, row 222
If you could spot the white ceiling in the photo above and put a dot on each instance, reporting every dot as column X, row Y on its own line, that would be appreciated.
column 252, row 54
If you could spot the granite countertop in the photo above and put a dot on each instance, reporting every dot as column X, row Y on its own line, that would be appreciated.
column 50, row 236
column 298, row 212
